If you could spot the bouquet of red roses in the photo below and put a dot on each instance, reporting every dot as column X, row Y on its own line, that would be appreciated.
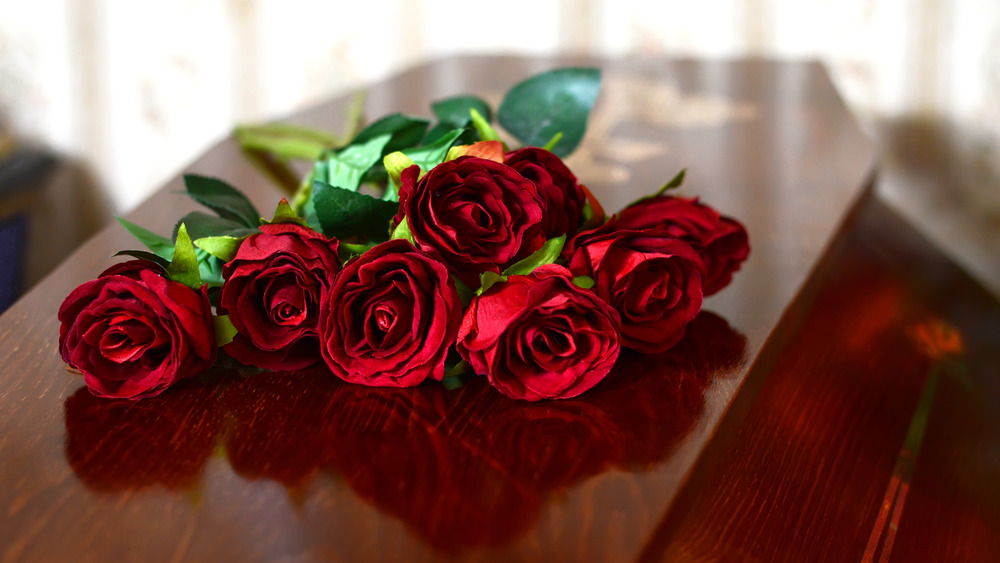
column 414, row 253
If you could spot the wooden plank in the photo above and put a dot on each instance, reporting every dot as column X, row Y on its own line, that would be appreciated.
column 312, row 469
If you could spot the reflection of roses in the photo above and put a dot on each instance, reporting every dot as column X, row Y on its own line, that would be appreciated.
column 118, row 444
column 133, row 332
column 558, row 189
column 652, row 279
column 540, row 336
column 390, row 318
column 721, row 241
column 479, row 215
column 272, row 293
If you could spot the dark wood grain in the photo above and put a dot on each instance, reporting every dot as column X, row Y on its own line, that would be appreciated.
column 305, row 468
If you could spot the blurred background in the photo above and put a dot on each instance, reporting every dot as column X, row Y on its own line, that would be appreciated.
column 112, row 97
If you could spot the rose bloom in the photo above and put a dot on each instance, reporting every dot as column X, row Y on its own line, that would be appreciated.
column 539, row 336
column 272, row 293
column 390, row 317
column 479, row 215
column 133, row 333
column 651, row 278
column 721, row 241
column 558, row 188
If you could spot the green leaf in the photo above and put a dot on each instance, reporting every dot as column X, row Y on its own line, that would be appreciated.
column 455, row 377
column 346, row 168
column 284, row 214
column 224, row 330
column 402, row 231
column 672, row 184
column 558, row 101
column 430, row 156
column 143, row 255
column 584, row 282
column 488, row 279
column 286, row 141
column 486, row 131
column 183, row 267
column 224, row 248
column 343, row 213
column 456, row 111
column 201, row 225
column 406, row 131
column 465, row 293
column 222, row 198
column 210, row 268
column 547, row 254
column 161, row 246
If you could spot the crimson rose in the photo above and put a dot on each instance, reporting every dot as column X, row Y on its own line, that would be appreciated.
column 272, row 293
column 390, row 317
column 651, row 278
column 558, row 188
column 539, row 336
column 133, row 332
column 721, row 241
column 479, row 215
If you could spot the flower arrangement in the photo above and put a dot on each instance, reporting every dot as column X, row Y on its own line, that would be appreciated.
column 413, row 253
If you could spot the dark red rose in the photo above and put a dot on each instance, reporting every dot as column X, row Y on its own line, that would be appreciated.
column 116, row 444
column 652, row 279
column 539, row 336
column 272, row 293
column 390, row 317
column 721, row 241
column 479, row 215
column 132, row 332
column 562, row 195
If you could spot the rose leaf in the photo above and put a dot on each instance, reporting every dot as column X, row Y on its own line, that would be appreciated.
column 455, row 111
column 183, row 267
column 547, row 254
column 406, row 131
column 671, row 185
column 222, row 198
column 200, row 225
column 143, row 255
column 584, row 282
column 160, row 245
column 224, row 330
column 210, row 268
column 343, row 213
column 429, row 156
column 455, row 376
column 538, row 108
column 346, row 168
column 488, row 279
column 223, row 247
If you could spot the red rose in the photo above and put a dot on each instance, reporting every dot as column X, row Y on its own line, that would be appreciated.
column 540, row 336
column 272, row 293
column 133, row 332
column 721, row 241
column 563, row 197
column 390, row 317
column 652, row 279
column 479, row 215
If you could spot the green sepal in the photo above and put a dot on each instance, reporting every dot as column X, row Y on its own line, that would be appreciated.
column 143, row 255
column 587, row 213
column 284, row 214
column 456, row 376
column 465, row 293
column 402, row 231
column 201, row 225
column 672, row 184
column 159, row 245
column 553, row 141
column 395, row 163
column 224, row 330
column 222, row 198
column 538, row 108
column 223, row 247
column 547, row 254
column 486, row 131
column 584, row 282
column 488, row 279
column 184, row 267
column 343, row 213
column 456, row 111
column 405, row 130
column 346, row 251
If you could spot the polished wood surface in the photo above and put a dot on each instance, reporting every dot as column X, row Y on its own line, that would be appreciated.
column 301, row 467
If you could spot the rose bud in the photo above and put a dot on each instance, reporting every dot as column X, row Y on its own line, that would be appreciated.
column 272, row 293
column 540, row 336
column 721, row 241
column 133, row 333
column 390, row 317
column 652, row 279
column 558, row 188
column 478, row 215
